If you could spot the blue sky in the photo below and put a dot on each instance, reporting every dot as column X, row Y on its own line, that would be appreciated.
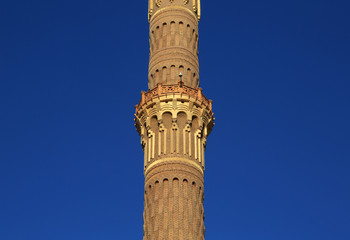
column 277, row 160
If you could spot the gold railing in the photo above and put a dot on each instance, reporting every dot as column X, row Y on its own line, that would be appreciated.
column 180, row 88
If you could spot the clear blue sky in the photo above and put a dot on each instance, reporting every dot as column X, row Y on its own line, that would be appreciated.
column 277, row 160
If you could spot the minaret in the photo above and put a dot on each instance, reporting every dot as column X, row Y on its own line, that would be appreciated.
column 174, row 119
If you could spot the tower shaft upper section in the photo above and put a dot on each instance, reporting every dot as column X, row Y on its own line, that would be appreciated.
column 155, row 6
column 173, row 42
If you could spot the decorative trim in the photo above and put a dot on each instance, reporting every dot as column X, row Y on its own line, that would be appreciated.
column 150, row 9
column 199, row 9
column 165, row 160
column 173, row 7
column 180, row 88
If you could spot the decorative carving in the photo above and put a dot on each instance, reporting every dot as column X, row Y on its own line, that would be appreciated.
column 150, row 12
column 188, row 127
column 172, row 99
column 175, row 139
column 196, row 7
column 171, row 137
column 197, row 145
column 199, row 9
column 150, row 9
column 144, row 148
column 151, row 145
column 163, row 90
column 162, row 139
column 161, row 127
column 187, row 139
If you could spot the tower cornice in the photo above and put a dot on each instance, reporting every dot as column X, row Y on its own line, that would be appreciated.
column 162, row 91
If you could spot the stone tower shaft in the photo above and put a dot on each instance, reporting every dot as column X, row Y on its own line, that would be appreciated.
column 174, row 119
column 173, row 42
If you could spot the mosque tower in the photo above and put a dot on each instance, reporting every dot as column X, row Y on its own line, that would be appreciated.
column 174, row 119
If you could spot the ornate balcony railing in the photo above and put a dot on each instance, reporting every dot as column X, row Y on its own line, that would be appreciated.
column 180, row 88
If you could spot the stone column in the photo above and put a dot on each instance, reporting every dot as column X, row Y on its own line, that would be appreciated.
column 173, row 41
